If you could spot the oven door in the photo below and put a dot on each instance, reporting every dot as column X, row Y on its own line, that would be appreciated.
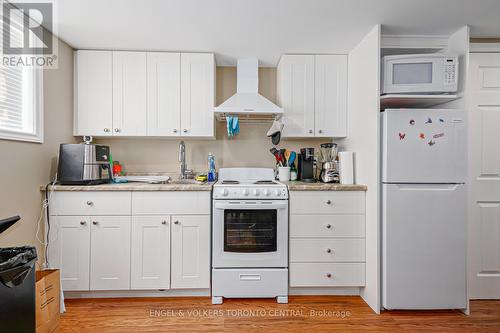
column 249, row 233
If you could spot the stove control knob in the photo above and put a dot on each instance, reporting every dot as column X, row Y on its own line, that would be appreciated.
column 224, row 192
column 267, row 192
column 277, row 192
column 246, row 192
column 256, row 192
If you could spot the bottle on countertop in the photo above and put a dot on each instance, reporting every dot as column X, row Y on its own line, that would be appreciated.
column 212, row 175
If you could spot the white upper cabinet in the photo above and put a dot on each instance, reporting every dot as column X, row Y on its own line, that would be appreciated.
column 129, row 94
column 330, row 95
column 296, row 94
column 312, row 89
column 93, row 93
column 197, row 94
column 164, row 94
column 119, row 93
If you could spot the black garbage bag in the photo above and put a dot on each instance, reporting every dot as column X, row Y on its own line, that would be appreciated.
column 15, row 264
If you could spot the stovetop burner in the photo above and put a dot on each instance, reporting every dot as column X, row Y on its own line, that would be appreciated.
column 264, row 182
column 224, row 182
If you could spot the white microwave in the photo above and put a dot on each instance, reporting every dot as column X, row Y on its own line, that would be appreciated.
column 420, row 74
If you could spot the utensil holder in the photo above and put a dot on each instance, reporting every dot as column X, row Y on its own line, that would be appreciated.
column 284, row 174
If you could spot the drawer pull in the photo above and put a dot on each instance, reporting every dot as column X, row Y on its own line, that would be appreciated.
column 95, row 222
column 249, row 277
column 328, row 275
column 329, row 251
column 176, row 222
column 83, row 223
column 163, row 222
column 329, row 202
column 328, row 226
column 89, row 203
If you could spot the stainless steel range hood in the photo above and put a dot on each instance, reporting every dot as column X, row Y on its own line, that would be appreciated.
column 247, row 103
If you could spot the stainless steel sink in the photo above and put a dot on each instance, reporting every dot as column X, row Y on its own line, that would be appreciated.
column 184, row 181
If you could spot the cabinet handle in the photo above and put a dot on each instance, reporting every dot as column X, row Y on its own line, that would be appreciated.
column 83, row 223
column 320, row 131
column 175, row 130
column 163, row 222
column 176, row 222
column 185, row 130
column 89, row 203
column 329, row 202
column 106, row 130
column 328, row 275
column 95, row 222
column 310, row 131
column 329, row 251
column 117, row 130
column 328, row 226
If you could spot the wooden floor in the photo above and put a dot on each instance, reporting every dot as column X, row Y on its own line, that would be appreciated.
column 302, row 314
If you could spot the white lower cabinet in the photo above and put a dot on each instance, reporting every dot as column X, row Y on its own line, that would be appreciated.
column 190, row 251
column 110, row 253
column 327, row 239
column 150, row 263
column 132, row 243
column 70, row 250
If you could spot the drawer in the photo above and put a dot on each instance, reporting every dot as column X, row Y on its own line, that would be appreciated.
column 316, row 226
column 90, row 203
column 258, row 282
column 171, row 202
column 327, row 202
column 327, row 250
column 327, row 275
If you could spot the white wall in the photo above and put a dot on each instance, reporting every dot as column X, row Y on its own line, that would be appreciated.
column 363, row 135
column 25, row 165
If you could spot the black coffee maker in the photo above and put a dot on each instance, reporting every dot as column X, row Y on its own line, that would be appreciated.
column 306, row 165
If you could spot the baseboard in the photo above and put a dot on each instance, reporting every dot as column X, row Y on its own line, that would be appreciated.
column 137, row 293
column 341, row 291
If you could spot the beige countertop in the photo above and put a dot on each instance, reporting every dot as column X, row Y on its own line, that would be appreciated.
column 134, row 186
column 318, row 186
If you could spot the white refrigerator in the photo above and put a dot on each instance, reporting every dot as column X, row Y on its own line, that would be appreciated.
column 424, row 209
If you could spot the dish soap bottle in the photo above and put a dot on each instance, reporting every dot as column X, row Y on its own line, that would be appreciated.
column 211, row 168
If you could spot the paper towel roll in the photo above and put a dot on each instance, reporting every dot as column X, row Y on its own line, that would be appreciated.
column 346, row 161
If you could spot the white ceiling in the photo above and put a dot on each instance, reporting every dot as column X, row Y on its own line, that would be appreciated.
column 263, row 29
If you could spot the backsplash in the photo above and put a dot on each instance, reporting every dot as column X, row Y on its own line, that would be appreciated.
column 249, row 149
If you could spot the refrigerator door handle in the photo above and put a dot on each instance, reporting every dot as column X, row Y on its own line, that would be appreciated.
column 428, row 187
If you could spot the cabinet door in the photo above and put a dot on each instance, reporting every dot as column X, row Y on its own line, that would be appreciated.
column 190, row 251
column 164, row 94
column 129, row 93
column 93, row 84
column 70, row 250
column 197, row 94
column 296, row 94
column 330, row 89
column 150, row 264
column 110, row 253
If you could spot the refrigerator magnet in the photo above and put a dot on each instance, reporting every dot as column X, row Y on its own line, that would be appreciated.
column 402, row 136
column 431, row 143
column 429, row 121
column 422, row 136
column 412, row 122
column 439, row 135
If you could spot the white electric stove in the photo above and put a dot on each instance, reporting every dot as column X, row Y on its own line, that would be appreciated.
column 249, row 235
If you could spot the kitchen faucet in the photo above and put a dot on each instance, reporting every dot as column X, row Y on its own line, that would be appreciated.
column 182, row 159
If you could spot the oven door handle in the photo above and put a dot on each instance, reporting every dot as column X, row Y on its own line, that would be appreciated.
column 248, row 204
